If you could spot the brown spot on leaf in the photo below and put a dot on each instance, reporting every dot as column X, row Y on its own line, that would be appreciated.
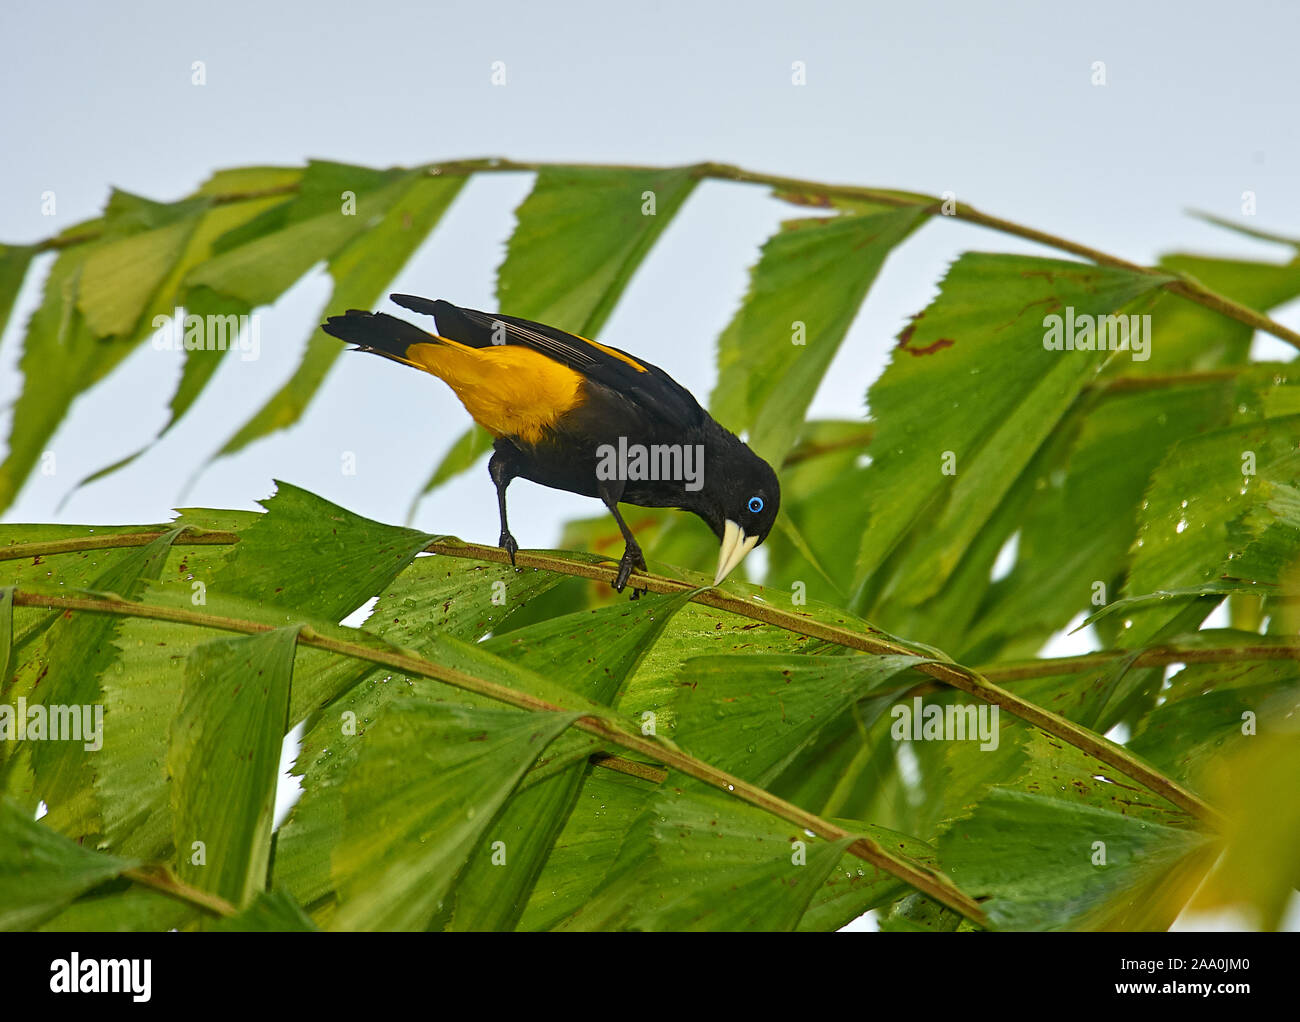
column 906, row 334
column 930, row 349
column 818, row 199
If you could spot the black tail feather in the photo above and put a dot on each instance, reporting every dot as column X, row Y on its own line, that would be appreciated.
column 424, row 306
column 451, row 320
column 376, row 332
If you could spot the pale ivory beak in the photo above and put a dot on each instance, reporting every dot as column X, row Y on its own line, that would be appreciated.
column 735, row 545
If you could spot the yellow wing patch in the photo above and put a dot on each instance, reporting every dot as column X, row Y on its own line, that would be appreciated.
column 615, row 354
column 509, row 390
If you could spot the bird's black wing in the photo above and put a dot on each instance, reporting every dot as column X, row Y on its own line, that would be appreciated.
column 634, row 379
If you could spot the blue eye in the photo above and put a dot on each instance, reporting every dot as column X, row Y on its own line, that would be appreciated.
column 755, row 504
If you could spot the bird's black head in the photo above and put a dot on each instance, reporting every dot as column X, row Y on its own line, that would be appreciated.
column 740, row 500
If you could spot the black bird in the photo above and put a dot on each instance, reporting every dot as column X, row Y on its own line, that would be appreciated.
column 577, row 415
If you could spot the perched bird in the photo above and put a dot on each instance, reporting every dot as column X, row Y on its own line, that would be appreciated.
column 577, row 415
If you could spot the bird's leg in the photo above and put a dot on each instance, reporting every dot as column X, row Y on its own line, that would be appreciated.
column 632, row 557
column 502, row 471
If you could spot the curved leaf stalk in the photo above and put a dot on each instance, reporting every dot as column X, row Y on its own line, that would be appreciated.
column 954, row 675
column 819, row 191
column 922, row 878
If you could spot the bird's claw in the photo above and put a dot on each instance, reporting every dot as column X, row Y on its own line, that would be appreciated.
column 633, row 560
column 508, row 544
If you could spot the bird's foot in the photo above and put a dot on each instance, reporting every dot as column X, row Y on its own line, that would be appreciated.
column 508, row 544
column 633, row 560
